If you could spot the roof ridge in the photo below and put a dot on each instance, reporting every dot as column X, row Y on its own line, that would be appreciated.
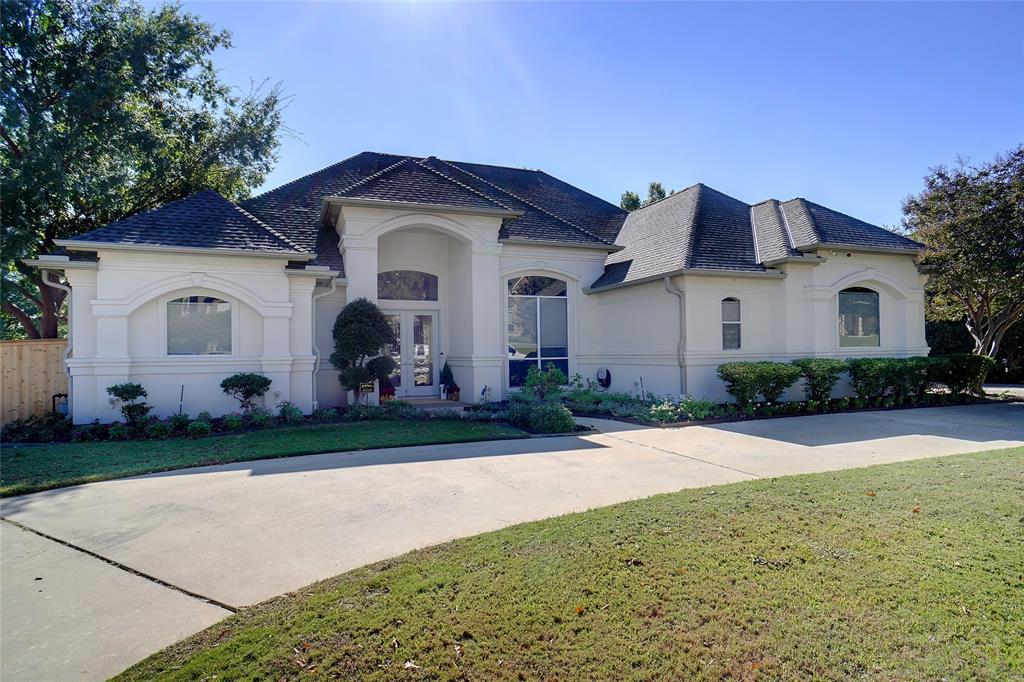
column 374, row 176
column 312, row 173
column 688, row 258
column 266, row 227
column 669, row 196
column 579, row 189
column 753, row 233
column 421, row 163
column 785, row 225
column 528, row 203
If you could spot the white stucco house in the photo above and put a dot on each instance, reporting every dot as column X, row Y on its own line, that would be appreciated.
column 491, row 269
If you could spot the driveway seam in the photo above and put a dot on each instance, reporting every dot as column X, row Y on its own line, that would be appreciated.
column 679, row 454
column 123, row 567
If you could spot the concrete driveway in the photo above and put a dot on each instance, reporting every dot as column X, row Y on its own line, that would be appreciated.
column 97, row 576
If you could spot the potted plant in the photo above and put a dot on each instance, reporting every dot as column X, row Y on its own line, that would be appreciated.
column 453, row 391
column 387, row 390
column 447, row 380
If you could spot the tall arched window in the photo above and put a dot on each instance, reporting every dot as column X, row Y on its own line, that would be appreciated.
column 198, row 325
column 730, row 324
column 538, row 326
column 406, row 285
column 858, row 317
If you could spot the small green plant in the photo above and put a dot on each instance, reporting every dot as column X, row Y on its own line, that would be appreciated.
column 519, row 412
column 289, row 413
column 129, row 395
column 812, row 406
column 246, row 388
column 204, row 416
column 232, row 422
column 749, row 410
column 551, row 417
column 199, row 428
column 664, row 412
column 179, row 423
column 117, row 431
column 260, row 418
column 325, row 414
column 544, row 385
column 696, row 409
column 820, row 376
column 841, row 405
column 82, row 434
column 157, row 430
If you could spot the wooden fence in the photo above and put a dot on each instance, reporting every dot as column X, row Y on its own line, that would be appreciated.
column 31, row 372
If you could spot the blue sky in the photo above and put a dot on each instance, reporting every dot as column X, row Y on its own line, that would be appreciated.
column 847, row 104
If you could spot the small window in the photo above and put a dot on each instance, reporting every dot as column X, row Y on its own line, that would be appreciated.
column 198, row 325
column 536, row 286
column 406, row 285
column 730, row 324
column 858, row 318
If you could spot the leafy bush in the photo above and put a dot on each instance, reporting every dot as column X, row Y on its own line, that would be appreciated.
column 232, row 422
column 446, row 413
column 776, row 378
column 910, row 376
column 179, row 423
column 695, row 408
column 359, row 412
column 117, row 431
column 820, row 376
column 551, row 417
column 260, row 418
column 128, row 395
column 325, row 414
column 204, row 416
column 400, row 409
column 246, row 387
column 158, row 430
column 663, row 412
column 869, row 377
column 544, row 385
column 746, row 380
column 964, row 372
column 82, row 434
column 519, row 412
column 361, row 334
column 199, row 428
column 47, row 428
column 289, row 413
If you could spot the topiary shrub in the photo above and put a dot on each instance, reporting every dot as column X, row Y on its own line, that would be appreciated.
column 869, row 377
column 776, row 378
column 199, row 428
column 361, row 336
column 158, row 430
column 551, row 417
column 820, row 376
column 129, row 396
column 246, row 387
column 288, row 413
column 910, row 376
column 232, row 422
column 742, row 381
column 117, row 431
column 179, row 423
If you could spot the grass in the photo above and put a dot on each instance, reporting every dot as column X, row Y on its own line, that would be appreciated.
column 903, row 571
column 25, row 469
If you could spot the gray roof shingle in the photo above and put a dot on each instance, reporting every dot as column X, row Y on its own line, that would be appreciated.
column 203, row 220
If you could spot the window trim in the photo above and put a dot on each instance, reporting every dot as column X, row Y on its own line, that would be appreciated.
column 739, row 323
column 838, row 313
column 570, row 327
column 205, row 357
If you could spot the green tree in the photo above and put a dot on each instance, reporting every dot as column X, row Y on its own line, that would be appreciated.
column 972, row 221
column 655, row 192
column 630, row 201
column 361, row 338
column 108, row 109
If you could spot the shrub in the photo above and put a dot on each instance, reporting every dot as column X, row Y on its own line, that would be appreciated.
column 204, row 416
column 446, row 413
column 820, row 376
column 246, row 387
column 544, row 385
column 361, row 334
column 742, row 381
column 812, row 406
column 775, row 378
column 260, row 418
column 359, row 412
column 199, row 428
column 158, row 430
column 179, row 423
column 911, row 376
column 82, row 434
column 117, row 431
column 400, row 409
column 128, row 395
column 869, row 377
column 289, row 413
column 964, row 372
column 696, row 409
column 663, row 412
column 232, row 422
column 49, row 427
column 519, row 412
column 841, row 405
column 551, row 417
column 325, row 414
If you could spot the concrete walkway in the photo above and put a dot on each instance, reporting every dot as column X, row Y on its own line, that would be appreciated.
column 97, row 576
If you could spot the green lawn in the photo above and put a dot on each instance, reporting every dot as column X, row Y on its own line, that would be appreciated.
column 27, row 469
column 903, row 571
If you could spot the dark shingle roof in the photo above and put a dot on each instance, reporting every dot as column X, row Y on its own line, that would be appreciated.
column 203, row 220
column 703, row 229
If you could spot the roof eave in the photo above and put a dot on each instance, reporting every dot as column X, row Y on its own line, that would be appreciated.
column 439, row 208
column 909, row 250
column 82, row 245
column 608, row 248
column 806, row 258
column 703, row 272
column 59, row 263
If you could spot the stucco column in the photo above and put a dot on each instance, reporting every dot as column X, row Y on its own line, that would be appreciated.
column 486, row 304
column 300, row 290
column 361, row 268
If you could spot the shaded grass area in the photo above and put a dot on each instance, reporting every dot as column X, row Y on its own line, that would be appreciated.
column 25, row 469
column 902, row 571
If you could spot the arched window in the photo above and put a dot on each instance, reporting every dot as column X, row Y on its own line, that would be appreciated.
column 198, row 325
column 538, row 326
column 406, row 285
column 858, row 317
column 730, row 324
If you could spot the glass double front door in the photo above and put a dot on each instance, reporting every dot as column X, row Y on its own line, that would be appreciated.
column 415, row 354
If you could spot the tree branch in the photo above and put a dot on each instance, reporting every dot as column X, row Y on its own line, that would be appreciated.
column 26, row 322
column 11, row 144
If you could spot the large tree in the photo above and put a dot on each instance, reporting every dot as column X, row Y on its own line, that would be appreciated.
column 972, row 220
column 630, row 200
column 108, row 109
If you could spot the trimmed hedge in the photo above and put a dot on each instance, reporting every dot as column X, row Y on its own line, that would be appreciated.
column 820, row 376
column 746, row 380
